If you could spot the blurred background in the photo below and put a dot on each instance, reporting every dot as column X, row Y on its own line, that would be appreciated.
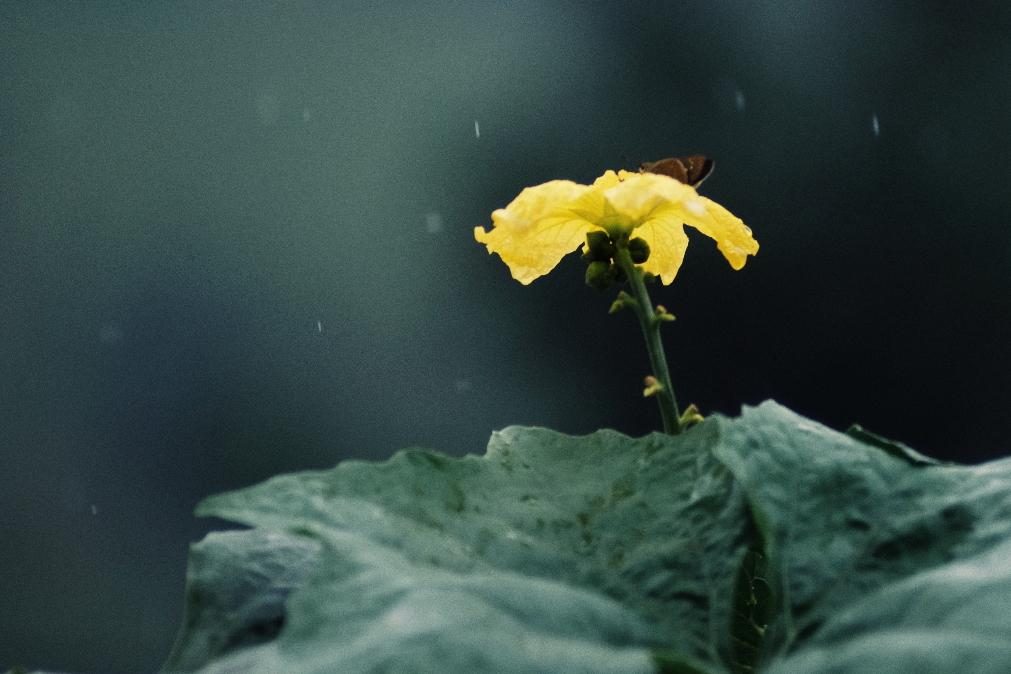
column 237, row 240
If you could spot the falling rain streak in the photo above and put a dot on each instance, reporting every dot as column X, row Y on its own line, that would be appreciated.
column 875, row 125
column 477, row 129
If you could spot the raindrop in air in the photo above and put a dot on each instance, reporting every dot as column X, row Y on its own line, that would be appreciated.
column 306, row 114
column 94, row 509
column 875, row 125
column 739, row 101
column 319, row 327
column 462, row 385
column 433, row 223
column 477, row 129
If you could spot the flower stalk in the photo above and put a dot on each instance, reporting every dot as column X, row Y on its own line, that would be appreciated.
column 650, row 323
column 630, row 227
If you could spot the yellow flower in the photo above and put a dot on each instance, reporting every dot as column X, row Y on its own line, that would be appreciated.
column 547, row 222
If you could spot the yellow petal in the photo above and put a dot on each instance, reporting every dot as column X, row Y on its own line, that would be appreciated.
column 620, row 202
column 592, row 205
column 534, row 232
column 637, row 197
column 667, row 243
column 609, row 179
column 545, row 223
column 732, row 236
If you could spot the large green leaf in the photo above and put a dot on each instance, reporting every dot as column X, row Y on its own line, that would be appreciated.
column 764, row 541
column 844, row 520
column 548, row 553
column 953, row 618
column 236, row 591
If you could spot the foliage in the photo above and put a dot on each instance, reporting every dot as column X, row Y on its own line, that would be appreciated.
column 761, row 543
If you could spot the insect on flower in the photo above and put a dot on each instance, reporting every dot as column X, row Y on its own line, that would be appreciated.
column 690, row 170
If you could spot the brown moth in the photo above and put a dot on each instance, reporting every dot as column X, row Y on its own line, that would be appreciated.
column 690, row 170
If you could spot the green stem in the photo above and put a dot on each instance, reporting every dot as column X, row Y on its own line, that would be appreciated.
column 651, row 331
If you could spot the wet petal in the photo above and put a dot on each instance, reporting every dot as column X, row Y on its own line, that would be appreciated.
column 732, row 236
column 546, row 222
column 609, row 179
column 534, row 232
column 667, row 243
column 638, row 197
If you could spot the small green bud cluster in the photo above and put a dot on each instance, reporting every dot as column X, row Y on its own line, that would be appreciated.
column 601, row 271
column 639, row 250
column 601, row 275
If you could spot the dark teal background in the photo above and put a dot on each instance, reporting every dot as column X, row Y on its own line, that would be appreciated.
column 237, row 240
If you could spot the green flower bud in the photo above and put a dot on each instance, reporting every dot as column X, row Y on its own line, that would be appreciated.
column 600, row 248
column 653, row 386
column 624, row 300
column 691, row 416
column 663, row 315
column 600, row 275
column 639, row 250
